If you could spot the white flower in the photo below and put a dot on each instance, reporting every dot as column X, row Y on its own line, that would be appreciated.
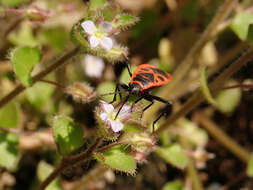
column 98, row 36
column 93, row 66
column 108, row 114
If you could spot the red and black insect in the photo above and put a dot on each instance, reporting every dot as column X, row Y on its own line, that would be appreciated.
column 144, row 78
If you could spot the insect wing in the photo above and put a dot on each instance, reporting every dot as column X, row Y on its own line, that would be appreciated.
column 149, row 76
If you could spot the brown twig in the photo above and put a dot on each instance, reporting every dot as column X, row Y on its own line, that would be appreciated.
column 222, row 137
column 215, row 86
column 187, row 63
column 104, row 148
column 39, row 76
column 69, row 161
column 10, row 130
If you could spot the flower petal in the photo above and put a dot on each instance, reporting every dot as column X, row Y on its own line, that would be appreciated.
column 106, row 26
column 125, row 112
column 116, row 126
column 107, row 43
column 88, row 26
column 93, row 66
column 94, row 41
column 104, row 117
column 107, row 108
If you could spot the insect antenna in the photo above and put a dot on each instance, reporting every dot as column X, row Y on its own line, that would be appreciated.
column 121, row 107
column 110, row 93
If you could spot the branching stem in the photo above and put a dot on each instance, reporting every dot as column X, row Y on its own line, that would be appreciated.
column 20, row 88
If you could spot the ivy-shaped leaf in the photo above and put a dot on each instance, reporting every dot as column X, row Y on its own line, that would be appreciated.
column 9, row 115
column 228, row 100
column 24, row 60
column 241, row 24
column 41, row 101
column 67, row 134
column 174, row 155
column 44, row 170
column 117, row 158
column 8, row 150
column 124, row 21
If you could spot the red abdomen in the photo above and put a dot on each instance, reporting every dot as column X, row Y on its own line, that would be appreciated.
column 150, row 76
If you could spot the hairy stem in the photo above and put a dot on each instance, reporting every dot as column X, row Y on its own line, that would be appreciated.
column 69, row 161
column 186, row 64
column 222, row 137
column 20, row 88
column 215, row 86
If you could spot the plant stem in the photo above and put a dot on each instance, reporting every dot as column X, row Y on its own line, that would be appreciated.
column 104, row 148
column 39, row 76
column 10, row 130
column 215, row 86
column 69, row 161
column 238, row 86
column 222, row 137
column 97, row 172
column 186, row 64
column 192, row 172
column 53, row 83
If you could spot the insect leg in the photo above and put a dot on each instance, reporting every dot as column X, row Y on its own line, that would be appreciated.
column 135, row 102
column 117, row 90
column 128, row 68
column 115, row 93
column 148, row 106
column 121, row 107
column 167, row 110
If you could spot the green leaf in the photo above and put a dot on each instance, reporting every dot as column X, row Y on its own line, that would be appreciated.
column 125, row 77
column 56, row 37
column 250, row 34
column 250, row 166
column 24, row 60
column 193, row 133
column 124, row 21
column 9, row 115
column 175, row 185
column 67, row 134
column 205, row 89
column 41, row 101
column 241, row 24
column 174, row 155
column 107, row 87
column 9, row 150
column 24, row 36
column 44, row 170
column 228, row 100
column 11, row 3
column 96, row 4
column 117, row 158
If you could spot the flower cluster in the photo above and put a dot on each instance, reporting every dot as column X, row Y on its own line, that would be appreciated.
column 98, row 36
column 108, row 114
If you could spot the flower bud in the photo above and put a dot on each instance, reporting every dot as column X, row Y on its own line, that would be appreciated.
column 142, row 142
column 37, row 14
column 81, row 92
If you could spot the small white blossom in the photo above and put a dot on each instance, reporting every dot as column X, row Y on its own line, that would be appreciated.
column 98, row 35
column 93, row 66
column 108, row 114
